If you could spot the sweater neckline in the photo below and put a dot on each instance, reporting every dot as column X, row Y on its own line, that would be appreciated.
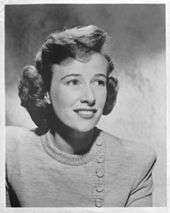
column 66, row 158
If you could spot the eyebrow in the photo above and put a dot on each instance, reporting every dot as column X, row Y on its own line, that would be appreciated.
column 100, row 74
column 77, row 75
column 70, row 75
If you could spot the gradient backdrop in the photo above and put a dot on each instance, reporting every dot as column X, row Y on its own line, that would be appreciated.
column 137, row 47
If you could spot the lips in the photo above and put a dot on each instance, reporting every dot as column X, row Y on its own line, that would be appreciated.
column 86, row 113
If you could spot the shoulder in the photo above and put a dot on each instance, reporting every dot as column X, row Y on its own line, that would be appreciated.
column 21, row 146
column 18, row 137
column 133, row 154
column 15, row 132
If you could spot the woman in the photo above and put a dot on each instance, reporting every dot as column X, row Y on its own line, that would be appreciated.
column 67, row 161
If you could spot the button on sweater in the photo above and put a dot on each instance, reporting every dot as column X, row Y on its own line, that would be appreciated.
column 114, row 173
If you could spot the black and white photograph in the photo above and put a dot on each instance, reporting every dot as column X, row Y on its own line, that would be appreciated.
column 85, row 105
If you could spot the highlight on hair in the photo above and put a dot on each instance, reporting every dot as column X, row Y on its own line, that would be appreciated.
column 78, row 43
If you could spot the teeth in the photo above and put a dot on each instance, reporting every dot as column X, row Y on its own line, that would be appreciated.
column 86, row 112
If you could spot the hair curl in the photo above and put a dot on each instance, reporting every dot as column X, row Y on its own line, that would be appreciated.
column 78, row 43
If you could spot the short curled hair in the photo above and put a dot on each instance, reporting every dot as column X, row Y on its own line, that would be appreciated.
column 78, row 43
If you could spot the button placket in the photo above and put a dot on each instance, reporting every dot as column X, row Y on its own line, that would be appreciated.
column 100, row 159
column 100, row 172
column 100, row 188
column 99, row 202
column 99, row 142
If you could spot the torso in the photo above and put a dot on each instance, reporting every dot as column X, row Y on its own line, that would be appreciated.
column 43, row 176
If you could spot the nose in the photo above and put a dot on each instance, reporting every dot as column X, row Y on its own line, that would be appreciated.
column 88, row 96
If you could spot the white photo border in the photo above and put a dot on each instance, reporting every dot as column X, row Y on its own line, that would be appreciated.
column 3, row 209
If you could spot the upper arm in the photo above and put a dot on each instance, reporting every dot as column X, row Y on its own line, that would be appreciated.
column 11, row 197
column 141, row 193
column 12, row 144
column 8, row 203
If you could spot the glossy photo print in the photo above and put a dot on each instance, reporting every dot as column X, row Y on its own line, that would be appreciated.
column 85, row 88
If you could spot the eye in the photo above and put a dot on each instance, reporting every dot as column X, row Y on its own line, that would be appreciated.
column 73, row 82
column 101, row 83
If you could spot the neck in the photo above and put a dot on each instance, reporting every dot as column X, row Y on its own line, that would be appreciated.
column 72, row 141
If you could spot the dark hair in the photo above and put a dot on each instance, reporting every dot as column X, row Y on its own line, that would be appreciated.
column 78, row 43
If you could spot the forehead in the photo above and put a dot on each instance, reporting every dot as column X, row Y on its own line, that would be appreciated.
column 95, row 64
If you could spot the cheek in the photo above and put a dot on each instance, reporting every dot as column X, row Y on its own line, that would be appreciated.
column 63, row 97
column 101, row 97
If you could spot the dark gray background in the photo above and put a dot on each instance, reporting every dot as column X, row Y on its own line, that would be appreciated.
column 137, row 47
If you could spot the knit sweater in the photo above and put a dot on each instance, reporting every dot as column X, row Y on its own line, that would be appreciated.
column 114, row 173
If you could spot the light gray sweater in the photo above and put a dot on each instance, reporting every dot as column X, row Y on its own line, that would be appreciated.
column 114, row 173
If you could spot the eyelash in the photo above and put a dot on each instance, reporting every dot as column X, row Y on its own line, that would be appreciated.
column 76, row 82
column 102, row 83
column 72, row 82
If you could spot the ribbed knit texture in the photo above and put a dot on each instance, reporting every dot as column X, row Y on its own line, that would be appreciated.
column 114, row 173
column 70, row 159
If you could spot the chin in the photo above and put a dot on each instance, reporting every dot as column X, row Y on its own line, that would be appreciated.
column 85, row 127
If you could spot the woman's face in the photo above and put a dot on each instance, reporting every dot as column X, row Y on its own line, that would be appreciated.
column 78, row 91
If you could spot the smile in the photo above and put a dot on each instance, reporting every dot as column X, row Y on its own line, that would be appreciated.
column 86, row 113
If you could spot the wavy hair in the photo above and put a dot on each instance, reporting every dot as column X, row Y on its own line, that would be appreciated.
column 77, row 43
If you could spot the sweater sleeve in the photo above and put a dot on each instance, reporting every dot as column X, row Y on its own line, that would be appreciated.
column 141, row 193
column 8, row 203
column 11, row 197
column 12, row 135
